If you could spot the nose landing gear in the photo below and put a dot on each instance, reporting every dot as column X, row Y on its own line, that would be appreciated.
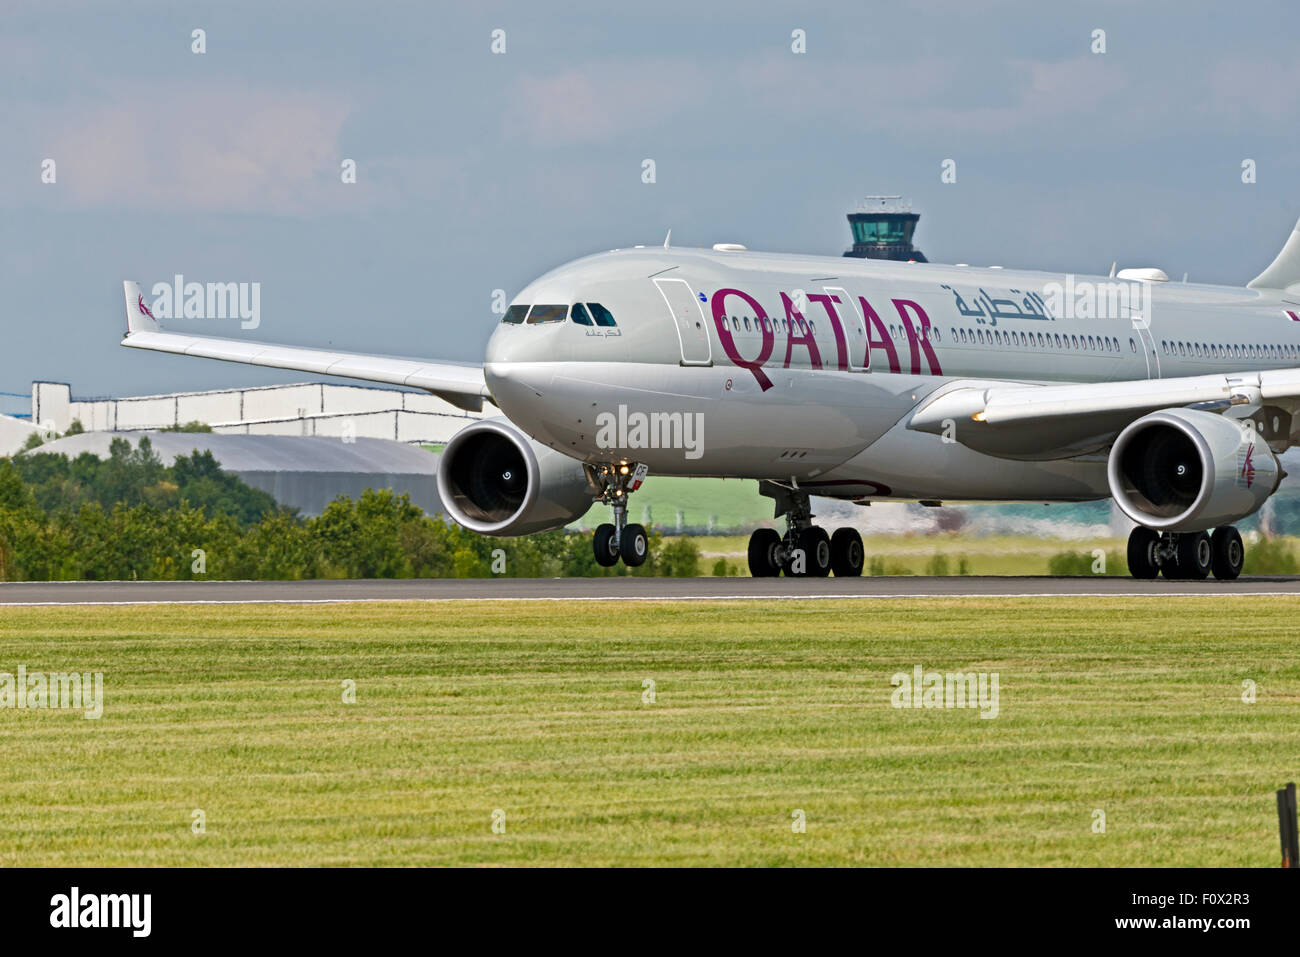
column 1186, row 556
column 620, row 539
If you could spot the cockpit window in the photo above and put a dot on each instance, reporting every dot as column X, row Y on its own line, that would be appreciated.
column 543, row 313
column 580, row 315
column 602, row 315
column 515, row 314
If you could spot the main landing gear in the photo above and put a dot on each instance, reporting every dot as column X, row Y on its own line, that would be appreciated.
column 620, row 539
column 1186, row 555
column 806, row 550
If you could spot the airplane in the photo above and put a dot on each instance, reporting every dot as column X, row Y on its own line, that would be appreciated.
column 861, row 380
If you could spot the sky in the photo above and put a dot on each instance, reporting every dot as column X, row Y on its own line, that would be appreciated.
column 477, row 170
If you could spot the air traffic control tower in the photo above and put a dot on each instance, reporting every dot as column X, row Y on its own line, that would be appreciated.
column 882, row 229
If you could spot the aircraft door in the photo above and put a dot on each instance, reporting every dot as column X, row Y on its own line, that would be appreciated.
column 855, row 328
column 1147, row 343
column 689, row 320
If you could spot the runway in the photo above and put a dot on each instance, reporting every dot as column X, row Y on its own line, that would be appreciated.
column 15, row 594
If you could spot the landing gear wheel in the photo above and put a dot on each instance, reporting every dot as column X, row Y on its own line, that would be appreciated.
column 816, row 545
column 1142, row 561
column 847, row 555
column 1228, row 553
column 603, row 545
column 764, row 545
column 1194, row 555
column 634, row 546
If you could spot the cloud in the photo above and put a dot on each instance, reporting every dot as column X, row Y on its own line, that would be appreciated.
column 1254, row 89
column 201, row 149
column 600, row 102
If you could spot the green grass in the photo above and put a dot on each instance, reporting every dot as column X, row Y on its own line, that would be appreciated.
column 1131, row 706
column 728, row 503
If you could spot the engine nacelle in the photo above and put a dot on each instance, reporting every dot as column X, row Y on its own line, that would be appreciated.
column 1184, row 470
column 495, row 480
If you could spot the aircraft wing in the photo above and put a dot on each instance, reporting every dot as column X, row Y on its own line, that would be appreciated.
column 1045, row 420
column 461, row 384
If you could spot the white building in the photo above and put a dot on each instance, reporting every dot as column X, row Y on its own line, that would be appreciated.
column 14, row 434
column 308, row 408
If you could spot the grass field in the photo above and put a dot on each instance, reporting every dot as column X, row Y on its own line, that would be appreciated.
column 1131, row 707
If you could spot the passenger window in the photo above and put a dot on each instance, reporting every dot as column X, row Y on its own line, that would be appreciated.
column 515, row 314
column 580, row 315
column 602, row 315
column 547, row 313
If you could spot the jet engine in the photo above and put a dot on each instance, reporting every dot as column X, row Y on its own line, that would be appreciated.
column 1186, row 470
column 495, row 480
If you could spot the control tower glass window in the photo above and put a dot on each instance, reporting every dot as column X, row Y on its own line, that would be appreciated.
column 882, row 231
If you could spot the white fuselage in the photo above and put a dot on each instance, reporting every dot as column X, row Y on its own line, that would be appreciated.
column 806, row 369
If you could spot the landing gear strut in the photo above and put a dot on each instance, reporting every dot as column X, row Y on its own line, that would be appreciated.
column 805, row 550
column 1186, row 556
column 619, row 539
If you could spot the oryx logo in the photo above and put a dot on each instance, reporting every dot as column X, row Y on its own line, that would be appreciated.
column 1248, row 466
column 144, row 310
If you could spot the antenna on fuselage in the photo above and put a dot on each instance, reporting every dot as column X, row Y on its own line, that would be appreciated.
column 668, row 237
column 1112, row 268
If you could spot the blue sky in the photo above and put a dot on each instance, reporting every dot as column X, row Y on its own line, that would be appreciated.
column 478, row 171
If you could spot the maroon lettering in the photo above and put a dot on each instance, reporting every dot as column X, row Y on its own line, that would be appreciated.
column 919, row 342
column 872, row 321
column 795, row 323
column 841, row 344
column 755, row 366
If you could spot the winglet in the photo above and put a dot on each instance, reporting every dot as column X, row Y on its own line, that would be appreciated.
column 1284, row 271
column 139, row 318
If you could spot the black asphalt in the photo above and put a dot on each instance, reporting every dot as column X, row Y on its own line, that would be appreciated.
column 635, row 589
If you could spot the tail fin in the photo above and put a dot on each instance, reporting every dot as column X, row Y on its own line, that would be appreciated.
column 139, row 318
column 1284, row 272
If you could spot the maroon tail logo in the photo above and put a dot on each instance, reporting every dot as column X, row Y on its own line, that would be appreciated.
column 144, row 310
